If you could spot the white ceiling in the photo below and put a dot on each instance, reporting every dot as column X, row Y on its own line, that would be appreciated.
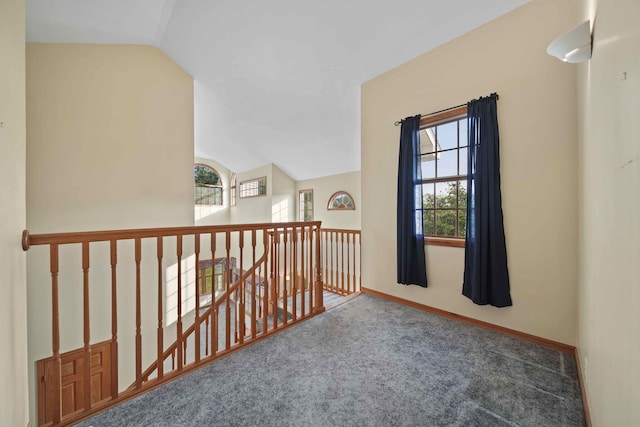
column 276, row 81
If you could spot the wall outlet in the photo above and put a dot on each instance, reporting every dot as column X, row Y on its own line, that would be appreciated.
column 585, row 374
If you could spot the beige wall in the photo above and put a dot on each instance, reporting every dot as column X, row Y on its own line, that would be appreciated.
column 110, row 131
column 109, row 146
column 323, row 188
column 13, row 304
column 278, row 205
column 283, row 197
column 215, row 215
column 538, row 128
column 609, row 279
column 253, row 209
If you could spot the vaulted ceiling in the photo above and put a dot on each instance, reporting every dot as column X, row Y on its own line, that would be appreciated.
column 276, row 81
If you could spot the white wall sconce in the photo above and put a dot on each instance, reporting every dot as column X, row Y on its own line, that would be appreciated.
column 573, row 46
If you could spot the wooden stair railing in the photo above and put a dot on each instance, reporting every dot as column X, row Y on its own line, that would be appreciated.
column 341, row 260
column 205, row 316
column 151, row 271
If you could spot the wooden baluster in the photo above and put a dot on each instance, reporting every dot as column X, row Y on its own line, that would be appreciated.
column 309, row 266
column 303, row 271
column 214, row 329
column 114, row 320
column 276, row 286
column 318, row 282
column 284, row 279
column 56, row 399
column 342, row 263
column 197, row 284
column 326, row 256
column 336, row 271
column 268, row 283
column 240, row 327
column 294, row 269
column 327, row 261
column 86, row 326
column 206, row 336
column 360, row 263
column 348, row 264
column 138, row 257
column 214, row 307
column 160, row 333
column 254, row 285
column 179, row 308
column 227, row 280
column 331, row 269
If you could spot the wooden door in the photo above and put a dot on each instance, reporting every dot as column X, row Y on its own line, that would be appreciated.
column 72, row 382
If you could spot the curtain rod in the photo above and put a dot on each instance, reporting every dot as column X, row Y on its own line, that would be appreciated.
column 399, row 122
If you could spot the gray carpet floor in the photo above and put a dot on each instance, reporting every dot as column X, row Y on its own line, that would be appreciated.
column 369, row 362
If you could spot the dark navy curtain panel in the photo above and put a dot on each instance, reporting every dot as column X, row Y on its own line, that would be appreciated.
column 412, row 268
column 486, row 278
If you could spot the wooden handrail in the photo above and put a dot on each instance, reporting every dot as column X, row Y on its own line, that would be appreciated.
column 29, row 239
column 286, row 287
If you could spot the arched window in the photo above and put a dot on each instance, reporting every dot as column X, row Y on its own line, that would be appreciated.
column 341, row 200
column 207, row 185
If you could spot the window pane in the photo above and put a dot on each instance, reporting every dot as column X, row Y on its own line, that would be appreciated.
column 428, row 221
column 427, row 140
column 341, row 200
column 205, row 175
column 254, row 187
column 462, row 222
column 447, row 163
column 462, row 194
column 446, row 223
column 446, row 194
column 463, row 160
column 462, row 125
column 428, row 196
column 447, row 136
column 428, row 166
column 305, row 205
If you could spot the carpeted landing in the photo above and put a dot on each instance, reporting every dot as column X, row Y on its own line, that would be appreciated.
column 370, row 362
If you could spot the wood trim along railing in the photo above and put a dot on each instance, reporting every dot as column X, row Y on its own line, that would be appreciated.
column 341, row 260
column 159, row 328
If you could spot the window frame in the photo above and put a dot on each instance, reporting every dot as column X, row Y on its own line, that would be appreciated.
column 240, row 192
column 220, row 186
column 232, row 189
column 449, row 116
column 302, row 207
column 336, row 194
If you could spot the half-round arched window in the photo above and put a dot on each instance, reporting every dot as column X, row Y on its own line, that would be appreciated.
column 341, row 200
column 207, row 185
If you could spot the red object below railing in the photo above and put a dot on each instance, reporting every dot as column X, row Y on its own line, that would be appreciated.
column 157, row 289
